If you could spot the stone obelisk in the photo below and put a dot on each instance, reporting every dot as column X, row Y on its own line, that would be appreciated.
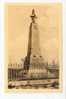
column 34, row 63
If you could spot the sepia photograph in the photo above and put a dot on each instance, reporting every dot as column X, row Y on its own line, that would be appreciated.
column 33, row 46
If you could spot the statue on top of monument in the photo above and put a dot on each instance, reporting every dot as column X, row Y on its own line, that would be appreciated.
column 33, row 16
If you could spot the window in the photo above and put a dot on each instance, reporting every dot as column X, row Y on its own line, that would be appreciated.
column 40, row 56
column 34, row 56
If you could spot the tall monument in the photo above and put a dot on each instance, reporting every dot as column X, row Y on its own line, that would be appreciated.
column 34, row 64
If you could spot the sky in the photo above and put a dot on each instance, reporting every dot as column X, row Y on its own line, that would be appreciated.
column 17, row 21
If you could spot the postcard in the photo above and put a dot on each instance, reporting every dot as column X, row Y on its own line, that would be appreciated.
column 33, row 42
